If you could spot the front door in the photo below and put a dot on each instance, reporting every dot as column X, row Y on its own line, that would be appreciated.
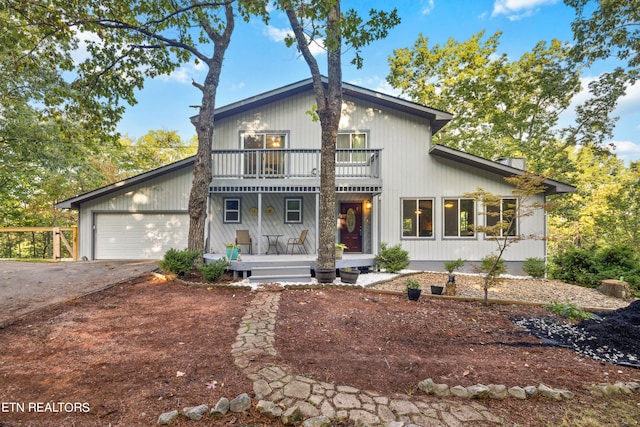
column 351, row 226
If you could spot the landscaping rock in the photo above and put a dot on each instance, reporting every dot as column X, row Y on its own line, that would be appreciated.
column 221, row 408
column 498, row 391
column 320, row 421
column 195, row 412
column 291, row 416
column 517, row 392
column 478, row 391
column 167, row 418
column 548, row 392
column 241, row 403
column 427, row 386
column 269, row 409
column 459, row 391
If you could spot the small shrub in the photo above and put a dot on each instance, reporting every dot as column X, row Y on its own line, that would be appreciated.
column 451, row 266
column 179, row 261
column 214, row 270
column 392, row 259
column 568, row 310
column 412, row 284
column 487, row 263
column 534, row 267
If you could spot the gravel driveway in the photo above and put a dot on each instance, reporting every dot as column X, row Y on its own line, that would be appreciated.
column 28, row 286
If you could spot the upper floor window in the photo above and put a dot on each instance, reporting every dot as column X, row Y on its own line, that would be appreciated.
column 356, row 143
column 459, row 217
column 417, row 217
column 268, row 161
column 503, row 215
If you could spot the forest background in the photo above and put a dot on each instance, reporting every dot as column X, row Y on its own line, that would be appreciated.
column 58, row 138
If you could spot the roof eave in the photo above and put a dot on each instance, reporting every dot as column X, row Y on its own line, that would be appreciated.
column 551, row 186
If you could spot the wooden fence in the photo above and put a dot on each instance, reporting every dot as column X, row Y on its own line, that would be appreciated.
column 54, row 244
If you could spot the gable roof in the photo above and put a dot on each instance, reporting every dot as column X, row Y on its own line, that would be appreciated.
column 437, row 118
column 74, row 202
column 501, row 169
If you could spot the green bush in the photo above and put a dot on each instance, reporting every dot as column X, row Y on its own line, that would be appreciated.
column 589, row 266
column 534, row 267
column 487, row 262
column 179, row 261
column 392, row 259
column 568, row 310
column 214, row 270
column 451, row 266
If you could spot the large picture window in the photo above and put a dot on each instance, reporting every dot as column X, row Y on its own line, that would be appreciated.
column 505, row 215
column 263, row 156
column 232, row 211
column 459, row 217
column 356, row 143
column 417, row 217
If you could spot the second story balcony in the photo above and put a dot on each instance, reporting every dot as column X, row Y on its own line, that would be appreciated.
column 298, row 164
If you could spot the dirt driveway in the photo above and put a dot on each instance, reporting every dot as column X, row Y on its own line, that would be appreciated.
column 28, row 286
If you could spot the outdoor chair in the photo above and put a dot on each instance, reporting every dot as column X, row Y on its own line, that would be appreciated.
column 243, row 239
column 297, row 242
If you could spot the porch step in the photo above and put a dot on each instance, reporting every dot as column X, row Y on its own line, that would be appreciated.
column 280, row 274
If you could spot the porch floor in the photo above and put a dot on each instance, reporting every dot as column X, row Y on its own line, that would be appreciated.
column 247, row 262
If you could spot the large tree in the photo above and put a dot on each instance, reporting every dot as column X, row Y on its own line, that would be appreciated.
column 604, row 30
column 134, row 40
column 501, row 107
column 322, row 21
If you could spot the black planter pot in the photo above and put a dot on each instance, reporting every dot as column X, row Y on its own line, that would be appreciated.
column 437, row 290
column 350, row 276
column 325, row 275
column 414, row 294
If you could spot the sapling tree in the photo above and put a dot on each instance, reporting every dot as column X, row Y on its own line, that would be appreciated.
column 503, row 217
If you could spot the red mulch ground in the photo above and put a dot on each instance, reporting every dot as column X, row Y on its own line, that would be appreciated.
column 121, row 351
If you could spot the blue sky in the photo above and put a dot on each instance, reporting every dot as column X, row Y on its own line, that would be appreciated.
column 258, row 60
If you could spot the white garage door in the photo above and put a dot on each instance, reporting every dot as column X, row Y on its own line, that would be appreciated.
column 139, row 235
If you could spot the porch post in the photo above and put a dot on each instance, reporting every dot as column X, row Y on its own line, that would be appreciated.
column 317, row 221
column 259, row 223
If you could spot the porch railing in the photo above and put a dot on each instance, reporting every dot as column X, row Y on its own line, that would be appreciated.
column 293, row 163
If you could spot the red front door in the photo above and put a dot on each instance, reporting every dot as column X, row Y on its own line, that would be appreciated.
column 351, row 226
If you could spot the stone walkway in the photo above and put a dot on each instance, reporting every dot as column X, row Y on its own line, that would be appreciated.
column 279, row 384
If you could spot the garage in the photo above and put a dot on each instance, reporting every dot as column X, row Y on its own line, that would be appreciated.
column 127, row 235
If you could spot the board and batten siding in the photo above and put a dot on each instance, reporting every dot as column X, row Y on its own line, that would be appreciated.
column 167, row 193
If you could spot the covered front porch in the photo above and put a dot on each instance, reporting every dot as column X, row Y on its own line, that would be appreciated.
column 243, row 267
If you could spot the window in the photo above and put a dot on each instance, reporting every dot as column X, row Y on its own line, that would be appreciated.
column 293, row 211
column 417, row 217
column 459, row 217
column 505, row 216
column 232, row 211
column 262, row 157
column 356, row 143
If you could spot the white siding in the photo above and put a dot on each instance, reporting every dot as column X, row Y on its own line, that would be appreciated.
column 165, row 194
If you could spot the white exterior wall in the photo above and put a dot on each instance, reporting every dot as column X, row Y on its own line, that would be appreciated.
column 168, row 193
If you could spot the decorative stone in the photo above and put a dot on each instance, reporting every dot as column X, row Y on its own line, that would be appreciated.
column 346, row 401
column 221, row 408
column 498, row 391
column 531, row 390
column 291, row 416
column 195, row 412
column 261, row 389
column 459, row 391
column 241, row 403
column 633, row 386
column 517, row 392
column 441, row 390
column 167, row 418
column 548, row 392
column 363, row 418
column 566, row 394
column 615, row 288
column 297, row 390
column 320, row 421
column 478, row 391
column 269, row 409
column 427, row 386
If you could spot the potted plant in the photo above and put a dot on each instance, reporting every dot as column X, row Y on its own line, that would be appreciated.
column 451, row 266
column 232, row 251
column 349, row 275
column 340, row 247
column 413, row 289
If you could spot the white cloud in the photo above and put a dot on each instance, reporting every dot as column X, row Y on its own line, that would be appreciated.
column 630, row 103
column 427, row 6
column 627, row 150
column 84, row 38
column 186, row 73
column 279, row 34
column 515, row 10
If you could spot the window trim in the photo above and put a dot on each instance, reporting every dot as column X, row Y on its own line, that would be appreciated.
column 417, row 204
column 226, row 211
column 351, row 133
column 287, row 210
column 444, row 218
column 516, row 222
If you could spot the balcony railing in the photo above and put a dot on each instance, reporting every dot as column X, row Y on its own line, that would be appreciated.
column 293, row 163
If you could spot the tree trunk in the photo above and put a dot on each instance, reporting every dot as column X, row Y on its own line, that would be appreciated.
column 204, row 129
